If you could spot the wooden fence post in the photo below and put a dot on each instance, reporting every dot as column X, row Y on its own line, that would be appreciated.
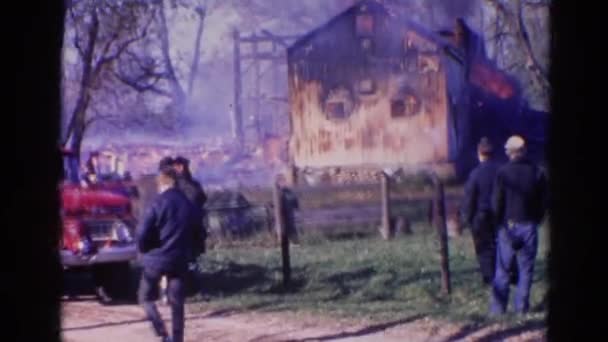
column 385, row 228
column 439, row 221
column 281, row 232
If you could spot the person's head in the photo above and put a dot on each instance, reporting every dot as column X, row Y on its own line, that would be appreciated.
column 515, row 147
column 165, row 162
column 94, row 158
column 166, row 178
column 181, row 165
column 484, row 149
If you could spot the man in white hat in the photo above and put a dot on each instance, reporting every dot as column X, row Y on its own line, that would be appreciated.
column 519, row 201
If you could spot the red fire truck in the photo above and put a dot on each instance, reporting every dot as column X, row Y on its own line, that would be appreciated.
column 98, row 230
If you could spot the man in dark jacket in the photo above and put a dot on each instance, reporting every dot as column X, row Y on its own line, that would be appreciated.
column 167, row 240
column 478, row 209
column 191, row 188
column 520, row 201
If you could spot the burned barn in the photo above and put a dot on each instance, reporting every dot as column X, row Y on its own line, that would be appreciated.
column 373, row 89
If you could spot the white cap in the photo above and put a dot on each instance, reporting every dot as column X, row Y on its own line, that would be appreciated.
column 515, row 142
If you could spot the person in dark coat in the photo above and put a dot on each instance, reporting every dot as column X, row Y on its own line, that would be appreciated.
column 478, row 209
column 191, row 188
column 520, row 202
column 167, row 239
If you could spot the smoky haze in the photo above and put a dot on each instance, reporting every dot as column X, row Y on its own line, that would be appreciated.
column 209, row 107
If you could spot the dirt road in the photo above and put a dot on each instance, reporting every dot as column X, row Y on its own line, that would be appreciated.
column 84, row 320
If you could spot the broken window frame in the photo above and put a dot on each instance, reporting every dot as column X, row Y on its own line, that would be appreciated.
column 401, row 113
column 405, row 113
column 330, row 111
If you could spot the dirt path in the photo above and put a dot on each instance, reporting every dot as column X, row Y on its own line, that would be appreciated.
column 87, row 321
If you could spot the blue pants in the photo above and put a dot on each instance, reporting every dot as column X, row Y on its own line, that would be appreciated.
column 149, row 292
column 517, row 241
column 484, row 239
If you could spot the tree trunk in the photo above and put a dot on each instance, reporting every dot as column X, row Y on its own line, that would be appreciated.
column 179, row 95
column 237, row 115
column 77, row 125
column 197, row 51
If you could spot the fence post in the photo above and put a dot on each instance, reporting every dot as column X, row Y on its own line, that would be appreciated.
column 385, row 228
column 439, row 221
column 281, row 232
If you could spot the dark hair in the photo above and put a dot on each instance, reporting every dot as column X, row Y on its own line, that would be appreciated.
column 165, row 162
column 485, row 147
column 181, row 160
column 169, row 172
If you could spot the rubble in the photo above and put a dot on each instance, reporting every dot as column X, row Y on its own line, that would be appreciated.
column 217, row 164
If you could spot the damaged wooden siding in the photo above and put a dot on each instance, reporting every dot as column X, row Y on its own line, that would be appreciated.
column 410, row 82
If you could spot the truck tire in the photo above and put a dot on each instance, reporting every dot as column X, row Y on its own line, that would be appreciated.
column 117, row 281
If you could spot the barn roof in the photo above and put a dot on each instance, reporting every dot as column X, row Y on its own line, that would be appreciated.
column 373, row 7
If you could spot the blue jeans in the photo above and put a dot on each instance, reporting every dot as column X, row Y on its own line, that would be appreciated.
column 516, row 241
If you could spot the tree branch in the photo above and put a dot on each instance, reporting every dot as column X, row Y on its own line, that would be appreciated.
column 523, row 36
column 122, row 47
column 197, row 49
column 143, row 87
column 526, row 40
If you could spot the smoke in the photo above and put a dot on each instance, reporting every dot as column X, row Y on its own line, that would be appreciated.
column 208, row 109
column 456, row 8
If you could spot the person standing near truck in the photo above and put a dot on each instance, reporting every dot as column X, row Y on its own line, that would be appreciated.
column 191, row 188
column 92, row 169
column 167, row 239
column 520, row 202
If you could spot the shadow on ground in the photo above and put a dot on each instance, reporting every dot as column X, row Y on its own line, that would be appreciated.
column 372, row 329
column 498, row 335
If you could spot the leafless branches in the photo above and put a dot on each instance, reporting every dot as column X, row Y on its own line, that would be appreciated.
column 510, row 24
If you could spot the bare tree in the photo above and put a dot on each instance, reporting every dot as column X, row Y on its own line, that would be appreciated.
column 100, row 31
column 520, row 47
column 155, row 67
column 124, row 73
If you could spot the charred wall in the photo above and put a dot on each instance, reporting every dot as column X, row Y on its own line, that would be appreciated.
column 367, row 89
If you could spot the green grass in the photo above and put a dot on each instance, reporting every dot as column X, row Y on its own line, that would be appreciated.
column 360, row 276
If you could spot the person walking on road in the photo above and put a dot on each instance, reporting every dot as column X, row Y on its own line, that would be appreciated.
column 167, row 239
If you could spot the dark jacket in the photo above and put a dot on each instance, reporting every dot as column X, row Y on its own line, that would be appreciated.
column 168, row 233
column 478, row 190
column 520, row 192
column 192, row 189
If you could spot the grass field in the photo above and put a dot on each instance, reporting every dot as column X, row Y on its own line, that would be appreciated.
column 357, row 275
